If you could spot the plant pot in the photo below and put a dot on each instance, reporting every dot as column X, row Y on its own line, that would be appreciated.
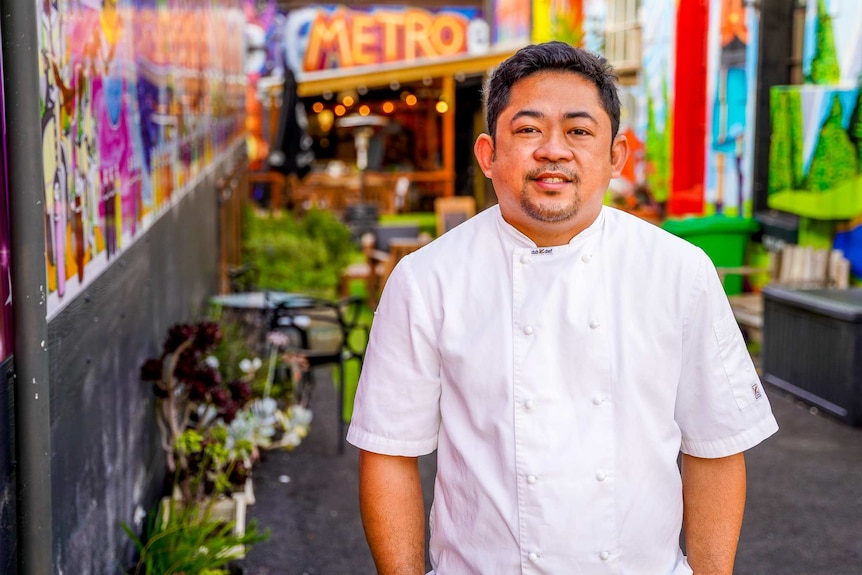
column 224, row 509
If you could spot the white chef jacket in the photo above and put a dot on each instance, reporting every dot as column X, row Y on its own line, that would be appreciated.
column 558, row 386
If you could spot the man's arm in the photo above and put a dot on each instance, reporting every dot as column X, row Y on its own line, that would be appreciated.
column 393, row 512
column 713, row 492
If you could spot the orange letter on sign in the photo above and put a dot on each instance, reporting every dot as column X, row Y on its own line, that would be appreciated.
column 365, row 49
column 390, row 22
column 328, row 43
column 417, row 28
column 449, row 35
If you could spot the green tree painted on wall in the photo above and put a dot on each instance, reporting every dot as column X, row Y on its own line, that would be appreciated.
column 785, row 147
column 856, row 129
column 656, row 154
column 781, row 144
column 566, row 31
column 835, row 157
column 824, row 65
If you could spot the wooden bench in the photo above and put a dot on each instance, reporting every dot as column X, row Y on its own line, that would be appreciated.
column 797, row 267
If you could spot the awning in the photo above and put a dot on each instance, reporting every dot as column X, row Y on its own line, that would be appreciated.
column 338, row 80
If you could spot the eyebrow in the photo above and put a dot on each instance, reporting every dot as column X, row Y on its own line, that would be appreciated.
column 567, row 116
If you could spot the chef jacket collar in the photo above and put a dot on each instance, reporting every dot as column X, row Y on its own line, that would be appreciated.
column 522, row 241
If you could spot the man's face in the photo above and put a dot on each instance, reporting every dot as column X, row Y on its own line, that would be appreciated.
column 552, row 157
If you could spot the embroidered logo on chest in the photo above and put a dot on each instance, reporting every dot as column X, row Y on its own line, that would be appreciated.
column 542, row 251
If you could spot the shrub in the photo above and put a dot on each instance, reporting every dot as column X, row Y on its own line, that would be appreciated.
column 293, row 255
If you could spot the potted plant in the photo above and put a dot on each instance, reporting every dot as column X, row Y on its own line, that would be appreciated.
column 185, row 539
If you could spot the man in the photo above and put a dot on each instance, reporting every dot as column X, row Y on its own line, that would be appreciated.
column 559, row 355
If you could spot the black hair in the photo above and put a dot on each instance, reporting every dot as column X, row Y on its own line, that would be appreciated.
column 551, row 56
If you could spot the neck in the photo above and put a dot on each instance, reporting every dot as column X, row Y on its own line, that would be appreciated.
column 545, row 234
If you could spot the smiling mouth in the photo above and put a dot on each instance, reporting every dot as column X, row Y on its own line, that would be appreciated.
column 552, row 180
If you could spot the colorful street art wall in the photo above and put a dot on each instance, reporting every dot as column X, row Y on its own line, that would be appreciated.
column 139, row 99
column 5, row 279
column 698, row 67
column 264, row 70
column 815, row 160
column 558, row 20
column 731, row 84
column 511, row 20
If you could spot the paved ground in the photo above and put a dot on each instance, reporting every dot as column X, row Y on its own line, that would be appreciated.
column 803, row 517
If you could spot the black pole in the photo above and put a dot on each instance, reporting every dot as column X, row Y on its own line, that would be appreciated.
column 29, row 286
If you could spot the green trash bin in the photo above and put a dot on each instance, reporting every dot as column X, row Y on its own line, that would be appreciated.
column 723, row 238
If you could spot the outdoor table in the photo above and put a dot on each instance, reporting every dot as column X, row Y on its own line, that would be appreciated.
column 261, row 301
column 253, row 310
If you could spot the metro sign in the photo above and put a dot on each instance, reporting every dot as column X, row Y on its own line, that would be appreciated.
column 341, row 37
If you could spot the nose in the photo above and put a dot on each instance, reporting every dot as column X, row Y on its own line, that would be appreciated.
column 553, row 148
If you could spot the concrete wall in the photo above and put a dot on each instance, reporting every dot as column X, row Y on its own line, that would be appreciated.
column 106, row 460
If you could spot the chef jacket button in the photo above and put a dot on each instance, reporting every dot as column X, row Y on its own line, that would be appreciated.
column 528, row 330
column 533, row 556
column 525, row 259
column 594, row 324
column 531, row 479
column 604, row 555
column 601, row 476
column 586, row 258
column 598, row 399
column 529, row 404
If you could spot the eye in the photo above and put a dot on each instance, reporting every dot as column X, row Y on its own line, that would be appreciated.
column 526, row 130
column 579, row 132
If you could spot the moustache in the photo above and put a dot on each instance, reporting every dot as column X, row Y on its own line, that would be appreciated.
column 556, row 168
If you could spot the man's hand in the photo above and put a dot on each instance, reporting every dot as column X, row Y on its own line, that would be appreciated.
column 393, row 512
column 713, row 492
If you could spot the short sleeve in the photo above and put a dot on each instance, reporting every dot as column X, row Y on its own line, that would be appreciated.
column 722, row 408
column 397, row 405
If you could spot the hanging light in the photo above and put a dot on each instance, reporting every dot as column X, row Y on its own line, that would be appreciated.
column 325, row 118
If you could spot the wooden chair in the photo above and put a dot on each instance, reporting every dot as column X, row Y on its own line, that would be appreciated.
column 384, row 247
column 797, row 267
column 453, row 210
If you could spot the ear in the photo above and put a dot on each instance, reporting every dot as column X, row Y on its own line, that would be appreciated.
column 484, row 150
column 619, row 155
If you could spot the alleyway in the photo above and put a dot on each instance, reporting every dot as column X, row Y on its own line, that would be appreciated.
column 803, row 516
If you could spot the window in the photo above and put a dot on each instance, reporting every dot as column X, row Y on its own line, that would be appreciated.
column 623, row 35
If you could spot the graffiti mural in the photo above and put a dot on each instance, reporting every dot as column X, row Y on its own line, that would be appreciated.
column 815, row 156
column 511, row 21
column 264, row 70
column 138, row 98
column 5, row 239
column 659, row 38
column 558, row 20
column 732, row 81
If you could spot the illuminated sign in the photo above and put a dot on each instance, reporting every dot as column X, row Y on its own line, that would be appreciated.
column 327, row 37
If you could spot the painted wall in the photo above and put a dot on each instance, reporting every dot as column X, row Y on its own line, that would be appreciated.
column 815, row 156
column 142, row 114
column 511, row 21
column 690, row 115
column 731, row 85
column 138, row 98
column 558, row 20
